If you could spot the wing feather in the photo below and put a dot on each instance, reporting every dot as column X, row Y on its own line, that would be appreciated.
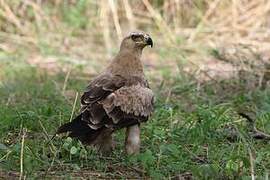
column 136, row 100
column 115, row 101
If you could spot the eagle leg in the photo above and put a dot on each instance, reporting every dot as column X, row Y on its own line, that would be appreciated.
column 104, row 142
column 132, row 144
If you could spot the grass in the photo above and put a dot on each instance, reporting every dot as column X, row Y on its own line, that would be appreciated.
column 189, row 133
column 195, row 130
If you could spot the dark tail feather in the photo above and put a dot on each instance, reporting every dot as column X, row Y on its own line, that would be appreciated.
column 70, row 126
column 80, row 130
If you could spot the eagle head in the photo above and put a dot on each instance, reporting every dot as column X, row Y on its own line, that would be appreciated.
column 136, row 40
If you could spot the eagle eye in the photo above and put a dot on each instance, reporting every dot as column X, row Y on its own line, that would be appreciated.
column 136, row 37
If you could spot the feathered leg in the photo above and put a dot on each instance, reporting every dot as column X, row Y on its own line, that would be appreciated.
column 133, row 141
column 104, row 142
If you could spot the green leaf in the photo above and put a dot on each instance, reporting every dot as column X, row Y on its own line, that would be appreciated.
column 69, row 140
column 73, row 150
column 231, row 165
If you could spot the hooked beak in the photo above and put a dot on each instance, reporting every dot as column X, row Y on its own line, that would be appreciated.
column 149, row 41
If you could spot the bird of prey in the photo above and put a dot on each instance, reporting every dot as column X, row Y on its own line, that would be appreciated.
column 118, row 98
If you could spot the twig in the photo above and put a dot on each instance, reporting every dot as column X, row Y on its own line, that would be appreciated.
column 207, row 14
column 159, row 21
column 252, row 171
column 65, row 82
column 73, row 107
column 18, row 39
column 11, row 17
column 47, row 137
column 39, row 13
column 105, row 26
column 116, row 19
column 22, row 153
column 129, row 14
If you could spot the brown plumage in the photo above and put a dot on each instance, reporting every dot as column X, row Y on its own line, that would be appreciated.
column 119, row 97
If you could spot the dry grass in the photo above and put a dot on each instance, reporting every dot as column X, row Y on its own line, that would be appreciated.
column 202, row 21
column 88, row 30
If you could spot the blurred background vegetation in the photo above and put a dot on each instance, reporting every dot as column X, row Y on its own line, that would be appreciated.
column 210, row 61
column 88, row 30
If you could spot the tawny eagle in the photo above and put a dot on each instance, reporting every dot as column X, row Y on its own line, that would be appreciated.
column 118, row 98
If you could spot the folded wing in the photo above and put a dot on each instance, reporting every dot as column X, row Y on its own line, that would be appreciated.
column 116, row 102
